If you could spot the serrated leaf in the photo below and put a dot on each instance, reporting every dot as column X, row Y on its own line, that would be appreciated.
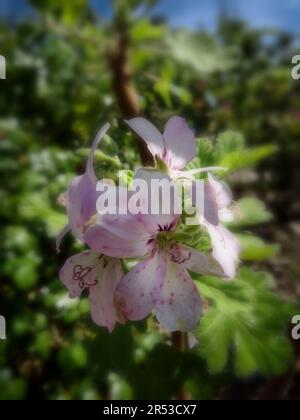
column 242, row 317
column 257, row 351
column 206, row 152
column 246, row 158
column 228, row 142
column 211, row 337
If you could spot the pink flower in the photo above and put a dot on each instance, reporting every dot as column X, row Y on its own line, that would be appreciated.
column 90, row 270
column 176, row 147
column 226, row 247
column 161, row 281
column 100, row 275
column 81, row 196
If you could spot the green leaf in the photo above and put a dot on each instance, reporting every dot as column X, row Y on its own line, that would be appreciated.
column 23, row 270
column 12, row 388
column 120, row 388
column 257, row 351
column 19, row 239
column 144, row 30
column 246, row 317
column 126, row 177
column 229, row 151
column 42, row 344
column 255, row 249
column 206, row 154
column 214, row 341
column 69, row 13
column 251, row 211
column 194, row 236
column 246, row 158
column 201, row 53
column 228, row 142
column 37, row 206
column 166, row 90
column 73, row 357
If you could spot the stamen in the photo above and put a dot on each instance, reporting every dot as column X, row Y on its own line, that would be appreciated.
column 165, row 228
column 151, row 240
column 177, row 254
column 79, row 274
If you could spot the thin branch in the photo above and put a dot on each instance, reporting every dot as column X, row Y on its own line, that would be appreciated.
column 123, row 87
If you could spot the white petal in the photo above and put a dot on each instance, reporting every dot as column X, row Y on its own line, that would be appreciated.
column 103, row 240
column 80, row 271
column 102, row 295
column 223, row 194
column 226, row 248
column 139, row 289
column 179, row 306
column 165, row 201
column 181, row 142
column 200, row 263
column 150, row 134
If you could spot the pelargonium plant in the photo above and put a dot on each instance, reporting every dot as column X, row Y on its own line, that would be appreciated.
column 159, row 279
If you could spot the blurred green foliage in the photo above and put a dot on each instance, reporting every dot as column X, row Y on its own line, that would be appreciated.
column 243, row 318
column 57, row 93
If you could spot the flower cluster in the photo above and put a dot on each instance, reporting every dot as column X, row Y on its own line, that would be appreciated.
column 160, row 282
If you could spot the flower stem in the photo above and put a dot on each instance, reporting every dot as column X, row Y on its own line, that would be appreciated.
column 179, row 341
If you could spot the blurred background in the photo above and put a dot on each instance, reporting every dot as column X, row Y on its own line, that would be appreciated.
column 226, row 67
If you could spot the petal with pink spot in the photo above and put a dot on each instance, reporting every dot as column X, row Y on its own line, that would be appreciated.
column 179, row 306
column 139, row 289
